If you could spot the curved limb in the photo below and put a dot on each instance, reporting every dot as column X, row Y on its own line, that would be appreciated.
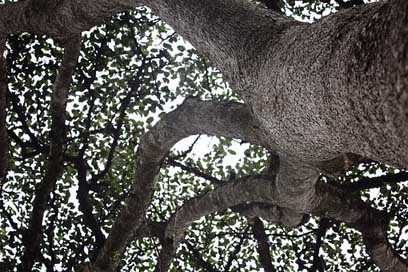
column 192, row 117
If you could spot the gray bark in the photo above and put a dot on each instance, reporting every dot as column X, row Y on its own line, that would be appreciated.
column 192, row 117
column 314, row 92
column 327, row 202
column 59, row 19
column 318, row 90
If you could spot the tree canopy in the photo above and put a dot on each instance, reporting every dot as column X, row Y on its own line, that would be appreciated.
column 94, row 178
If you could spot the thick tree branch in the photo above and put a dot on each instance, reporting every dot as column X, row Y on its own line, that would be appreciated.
column 270, row 213
column 236, row 197
column 256, row 189
column 192, row 117
column 202, row 21
column 58, row 19
column 295, row 183
column 191, row 211
column 33, row 235
column 327, row 202
column 314, row 67
column 3, row 113
column 330, row 60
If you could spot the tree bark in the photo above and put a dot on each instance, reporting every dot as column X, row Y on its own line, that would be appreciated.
column 318, row 90
column 58, row 18
column 314, row 92
column 192, row 117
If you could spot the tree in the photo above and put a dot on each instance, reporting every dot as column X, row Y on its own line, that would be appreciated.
column 321, row 104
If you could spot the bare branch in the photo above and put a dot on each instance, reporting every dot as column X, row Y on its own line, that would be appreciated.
column 196, row 172
column 198, row 259
column 192, row 117
column 270, row 213
column 68, row 18
column 85, row 205
column 346, row 4
column 258, row 229
column 3, row 105
column 297, row 188
column 33, row 235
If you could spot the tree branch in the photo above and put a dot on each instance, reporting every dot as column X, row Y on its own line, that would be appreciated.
column 218, row 200
column 85, row 205
column 324, row 225
column 270, row 213
column 192, row 117
column 258, row 229
column 271, row 4
column 345, row 5
column 297, row 188
column 327, row 202
column 335, row 203
column 3, row 112
column 240, row 21
column 198, row 259
column 195, row 171
column 369, row 183
column 33, row 235
column 69, row 18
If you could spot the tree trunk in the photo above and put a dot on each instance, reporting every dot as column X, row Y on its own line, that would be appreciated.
column 315, row 92
column 318, row 90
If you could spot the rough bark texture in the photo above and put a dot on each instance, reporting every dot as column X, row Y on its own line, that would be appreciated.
column 336, row 86
column 313, row 93
column 319, row 89
column 193, row 117
column 327, row 202
column 58, row 18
